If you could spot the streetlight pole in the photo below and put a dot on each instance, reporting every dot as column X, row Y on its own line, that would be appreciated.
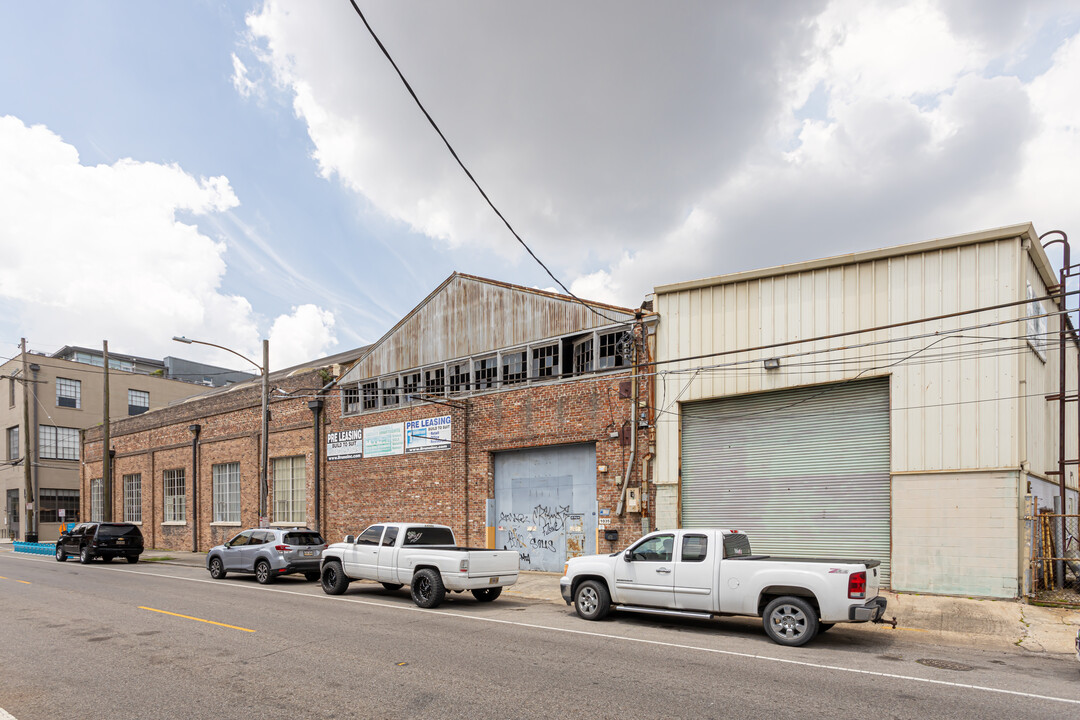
column 264, row 369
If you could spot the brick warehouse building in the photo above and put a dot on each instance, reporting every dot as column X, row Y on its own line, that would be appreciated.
column 502, row 411
column 193, row 468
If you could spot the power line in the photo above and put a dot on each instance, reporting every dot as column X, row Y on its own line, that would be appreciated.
column 461, row 164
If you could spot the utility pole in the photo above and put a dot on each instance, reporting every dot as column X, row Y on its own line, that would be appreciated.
column 263, row 510
column 106, row 464
column 30, row 531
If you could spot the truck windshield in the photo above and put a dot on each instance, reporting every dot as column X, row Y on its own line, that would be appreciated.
column 428, row 536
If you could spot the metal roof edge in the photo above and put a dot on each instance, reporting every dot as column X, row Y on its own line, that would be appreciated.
column 1022, row 230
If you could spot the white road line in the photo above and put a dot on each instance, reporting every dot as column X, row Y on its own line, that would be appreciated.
column 5, row 715
column 587, row 633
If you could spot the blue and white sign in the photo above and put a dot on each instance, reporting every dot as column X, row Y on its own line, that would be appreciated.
column 383, row 440
column 428, row 434
column 345, row 445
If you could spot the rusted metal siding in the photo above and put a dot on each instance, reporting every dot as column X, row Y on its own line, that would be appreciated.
column 471, row 316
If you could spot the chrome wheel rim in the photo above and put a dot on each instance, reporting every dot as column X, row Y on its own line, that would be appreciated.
column 262, row 572
column 789, row 621
column 423, row 588
column 587, row 600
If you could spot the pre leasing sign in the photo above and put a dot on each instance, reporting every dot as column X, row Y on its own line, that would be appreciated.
column 345, row 445
column 428, row 434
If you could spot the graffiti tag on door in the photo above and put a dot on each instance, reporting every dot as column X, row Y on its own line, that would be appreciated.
column 537, row 532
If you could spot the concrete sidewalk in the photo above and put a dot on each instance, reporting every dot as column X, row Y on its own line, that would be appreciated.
column 998, row 624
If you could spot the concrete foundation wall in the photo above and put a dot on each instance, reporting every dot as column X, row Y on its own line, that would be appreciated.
column 956, row 534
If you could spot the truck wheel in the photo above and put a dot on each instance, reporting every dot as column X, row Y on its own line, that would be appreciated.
column 591, row 600
column 217, row 569
column 392, row 586
column 61, row 556
column 427, row 588
column 84, row 555
column 263, row 573
column 334, row 581
column 790, row 621
column 487, row 594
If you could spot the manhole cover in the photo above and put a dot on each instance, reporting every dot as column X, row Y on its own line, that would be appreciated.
column 943, row 664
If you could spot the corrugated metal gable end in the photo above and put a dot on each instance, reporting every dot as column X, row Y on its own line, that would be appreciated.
column 468, row 315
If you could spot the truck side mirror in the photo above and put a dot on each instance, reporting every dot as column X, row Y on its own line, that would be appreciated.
column 628, row 556
column 350, row 539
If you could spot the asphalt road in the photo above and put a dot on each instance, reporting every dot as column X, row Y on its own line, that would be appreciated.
column 156, row 641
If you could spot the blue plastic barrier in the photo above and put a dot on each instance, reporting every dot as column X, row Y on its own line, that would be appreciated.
column 35, row 548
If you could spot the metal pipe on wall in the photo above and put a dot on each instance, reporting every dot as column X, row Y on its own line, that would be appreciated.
column 195, row 430
column 316, row 407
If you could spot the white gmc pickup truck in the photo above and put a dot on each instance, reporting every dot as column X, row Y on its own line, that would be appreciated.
column 705, row 573
column 425, row 557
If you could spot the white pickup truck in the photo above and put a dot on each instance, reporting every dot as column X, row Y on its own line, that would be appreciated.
column 425, row 557
column 705, row 573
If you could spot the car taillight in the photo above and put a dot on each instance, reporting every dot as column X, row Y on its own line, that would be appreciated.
column 463, row 566
column 856, row 586
column 282, row 548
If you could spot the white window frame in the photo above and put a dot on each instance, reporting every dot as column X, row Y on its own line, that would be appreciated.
column 97, row 500
column 12, row 437
column 226, row 477
column 135, row 394
column 290, row 490
column 133, row 498
column 174, row 496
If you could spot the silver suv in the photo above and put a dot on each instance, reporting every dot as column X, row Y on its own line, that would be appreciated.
column 269, row 552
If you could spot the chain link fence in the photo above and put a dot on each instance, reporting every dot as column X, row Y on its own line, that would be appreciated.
column 1054, row 573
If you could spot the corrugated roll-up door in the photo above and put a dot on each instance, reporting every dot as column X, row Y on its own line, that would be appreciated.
column 804, row 472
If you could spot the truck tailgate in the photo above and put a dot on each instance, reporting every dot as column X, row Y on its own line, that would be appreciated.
column 483, row 563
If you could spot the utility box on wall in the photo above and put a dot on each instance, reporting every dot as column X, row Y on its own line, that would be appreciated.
column 633, row 500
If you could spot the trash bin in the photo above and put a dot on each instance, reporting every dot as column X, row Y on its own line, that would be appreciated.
column 31, row 537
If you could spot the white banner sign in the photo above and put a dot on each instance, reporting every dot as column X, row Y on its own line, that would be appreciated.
column 428, row 434
column 344, row 445
column 384, row 440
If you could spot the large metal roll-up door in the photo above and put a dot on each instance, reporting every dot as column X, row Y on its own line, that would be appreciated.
column 804, row 472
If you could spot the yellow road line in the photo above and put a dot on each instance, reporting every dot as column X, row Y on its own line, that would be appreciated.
column 18, row 581
column 188, row 617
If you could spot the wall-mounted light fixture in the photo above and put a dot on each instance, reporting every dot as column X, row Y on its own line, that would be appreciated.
column 601, row 468
column 772, row 363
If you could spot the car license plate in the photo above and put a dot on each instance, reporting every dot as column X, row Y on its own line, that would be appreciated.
column 309, row 553
column 120, row 541
column 492, row 581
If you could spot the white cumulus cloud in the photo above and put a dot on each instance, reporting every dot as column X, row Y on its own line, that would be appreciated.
column 94, row 253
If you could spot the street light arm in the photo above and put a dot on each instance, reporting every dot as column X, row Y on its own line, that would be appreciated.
column 189, row 341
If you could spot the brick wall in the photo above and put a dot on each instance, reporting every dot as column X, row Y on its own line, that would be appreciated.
column 452, row 486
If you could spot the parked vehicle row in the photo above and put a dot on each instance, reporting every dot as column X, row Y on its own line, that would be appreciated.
column 699, row 573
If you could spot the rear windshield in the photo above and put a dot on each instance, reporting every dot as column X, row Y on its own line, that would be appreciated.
column 736, row 545
column 130, row 531
column 428, row 536
column 304, row 538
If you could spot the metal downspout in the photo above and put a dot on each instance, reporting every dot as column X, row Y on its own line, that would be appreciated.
column 633, row 429
column 195, row 430
column 316, row 407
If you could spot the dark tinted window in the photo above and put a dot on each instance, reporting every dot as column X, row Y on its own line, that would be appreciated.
column 694, row 548
column 129, row 531
column 370, row 536
column 261, row 537
column 736, row 545
column 428, row 536
column 390, row 537
column 303, row 538
column 241, row 539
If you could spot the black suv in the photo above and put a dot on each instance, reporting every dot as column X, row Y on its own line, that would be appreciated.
column 103, row 540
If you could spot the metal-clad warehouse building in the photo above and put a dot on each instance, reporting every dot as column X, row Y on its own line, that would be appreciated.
column 888, row 404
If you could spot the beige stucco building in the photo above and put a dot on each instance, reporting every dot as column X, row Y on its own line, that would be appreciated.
column 889, row 403
column 64, row 397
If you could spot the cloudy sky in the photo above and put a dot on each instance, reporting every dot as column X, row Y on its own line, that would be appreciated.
column 237, row 170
